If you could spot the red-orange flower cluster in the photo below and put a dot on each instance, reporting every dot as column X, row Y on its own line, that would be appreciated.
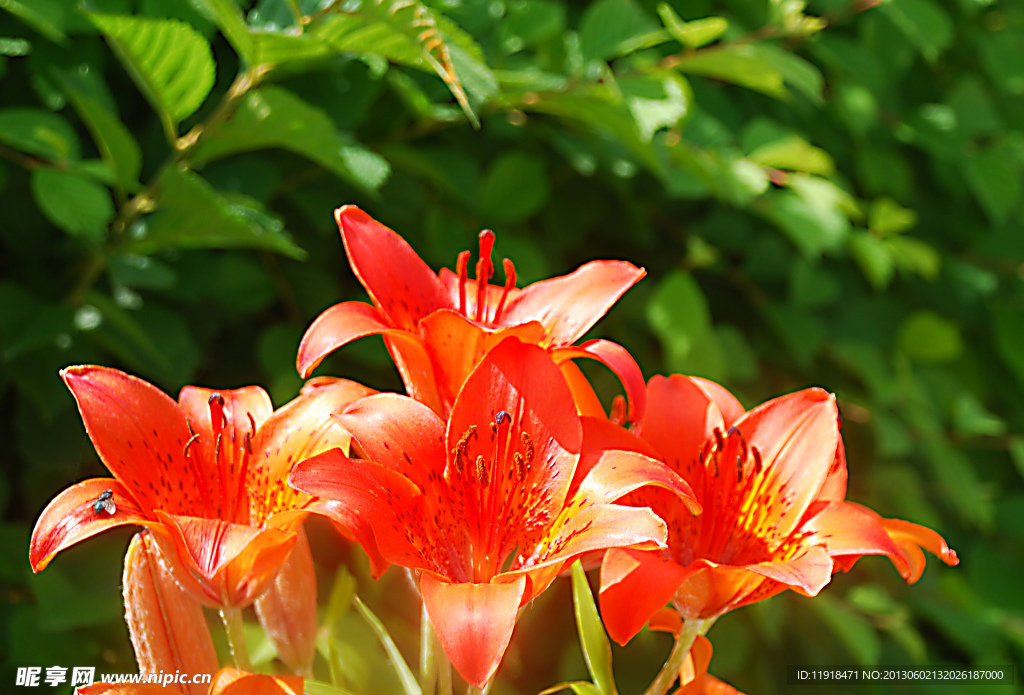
column 500, row 470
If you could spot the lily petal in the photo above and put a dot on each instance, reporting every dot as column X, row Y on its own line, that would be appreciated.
column 635, row 585
column 457, row 345
column 604, row 526
column 365, row 495
column 167, row 626
column 139, row 433
column 302, row 428
column 569, row 305
column 234, row 562
column 797, row 435
column 674, row 401
column 583, row 394
column 230, row 681
column 618, row 359
column 287, row 608
column 337, row 326
column 911, row 538
column 473, row 622
column 397, row 432
column 849, row 530
column 71, row 517
column 397, row 279
column 617, row 473
column 727, row 404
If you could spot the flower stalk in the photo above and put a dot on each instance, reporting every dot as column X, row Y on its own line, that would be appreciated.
column 232, row 618
column 669, row 673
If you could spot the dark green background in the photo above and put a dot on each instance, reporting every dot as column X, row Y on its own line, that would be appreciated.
column 823, row 196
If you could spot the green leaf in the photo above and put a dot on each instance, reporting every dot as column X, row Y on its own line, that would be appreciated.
column 1008, row 326
column 929, row 338
column 695, row 33
column 515, row 187
column 1000, row 54
column 51, row 18
column 794, row 153
column 678, row 314
column 409, row 684
column 191, row 214
column 228, row 18
column 597, row 651
column 529, row 22
column 800, row 74
column 994, row 177
column 274, row 117
column 852, row 628
column 613, row 28
column 915, row 256
column 742, row 65
column 578, row 687
column 924, row 22
column 656, row 101
column 40, row 133
column 874, row 257
column 886, row 217
column 76, row 204
column 115, row 143
column 169, row 61
column 405, row 32
column 321, row 688
column 812, row 213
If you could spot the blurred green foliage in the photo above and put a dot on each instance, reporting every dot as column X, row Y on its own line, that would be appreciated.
column 829, row 194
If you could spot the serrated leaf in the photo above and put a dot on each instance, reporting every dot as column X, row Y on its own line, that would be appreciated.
column 274, row 117
column 741, row 65
column 408, row 681
column 169, row 61
column 40, row 133
column 597, row 651
column 695, row 33
column 191, row 214
column 614, row 28
column 405, row 32
column 115, row 143
column 228, row 18
column 76, row 204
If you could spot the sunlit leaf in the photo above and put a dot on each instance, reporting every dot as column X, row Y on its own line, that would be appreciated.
column 597, row 650
column 409, row 684
column 170, row 62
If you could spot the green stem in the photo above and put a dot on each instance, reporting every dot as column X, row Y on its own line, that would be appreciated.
column 232, row 618
column 444, row 673
column 428, row 654
column 669, row 673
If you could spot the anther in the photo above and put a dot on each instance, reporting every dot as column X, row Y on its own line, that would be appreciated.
column 216, row 404
column 528, row 445
column 757, row 459
column 481, row 471
column 719, row 439
column 502, row 417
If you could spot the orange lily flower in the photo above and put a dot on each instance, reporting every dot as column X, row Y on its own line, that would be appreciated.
column 772, row 483
column 486, row 508
column 437, row 327
column 228, row 681
column 206, row 475
column 167, row 626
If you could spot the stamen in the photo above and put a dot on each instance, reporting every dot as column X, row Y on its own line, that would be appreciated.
column 461, row 268
column 217, row 410
column 189, row 443
column 757, row 459
column 510, row 282
column 528, row 446
column 460, row 448
column 502, row 417
column 484, row 271
column 481, row 471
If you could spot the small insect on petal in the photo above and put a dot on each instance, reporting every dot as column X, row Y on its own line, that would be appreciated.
column 105, row 503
